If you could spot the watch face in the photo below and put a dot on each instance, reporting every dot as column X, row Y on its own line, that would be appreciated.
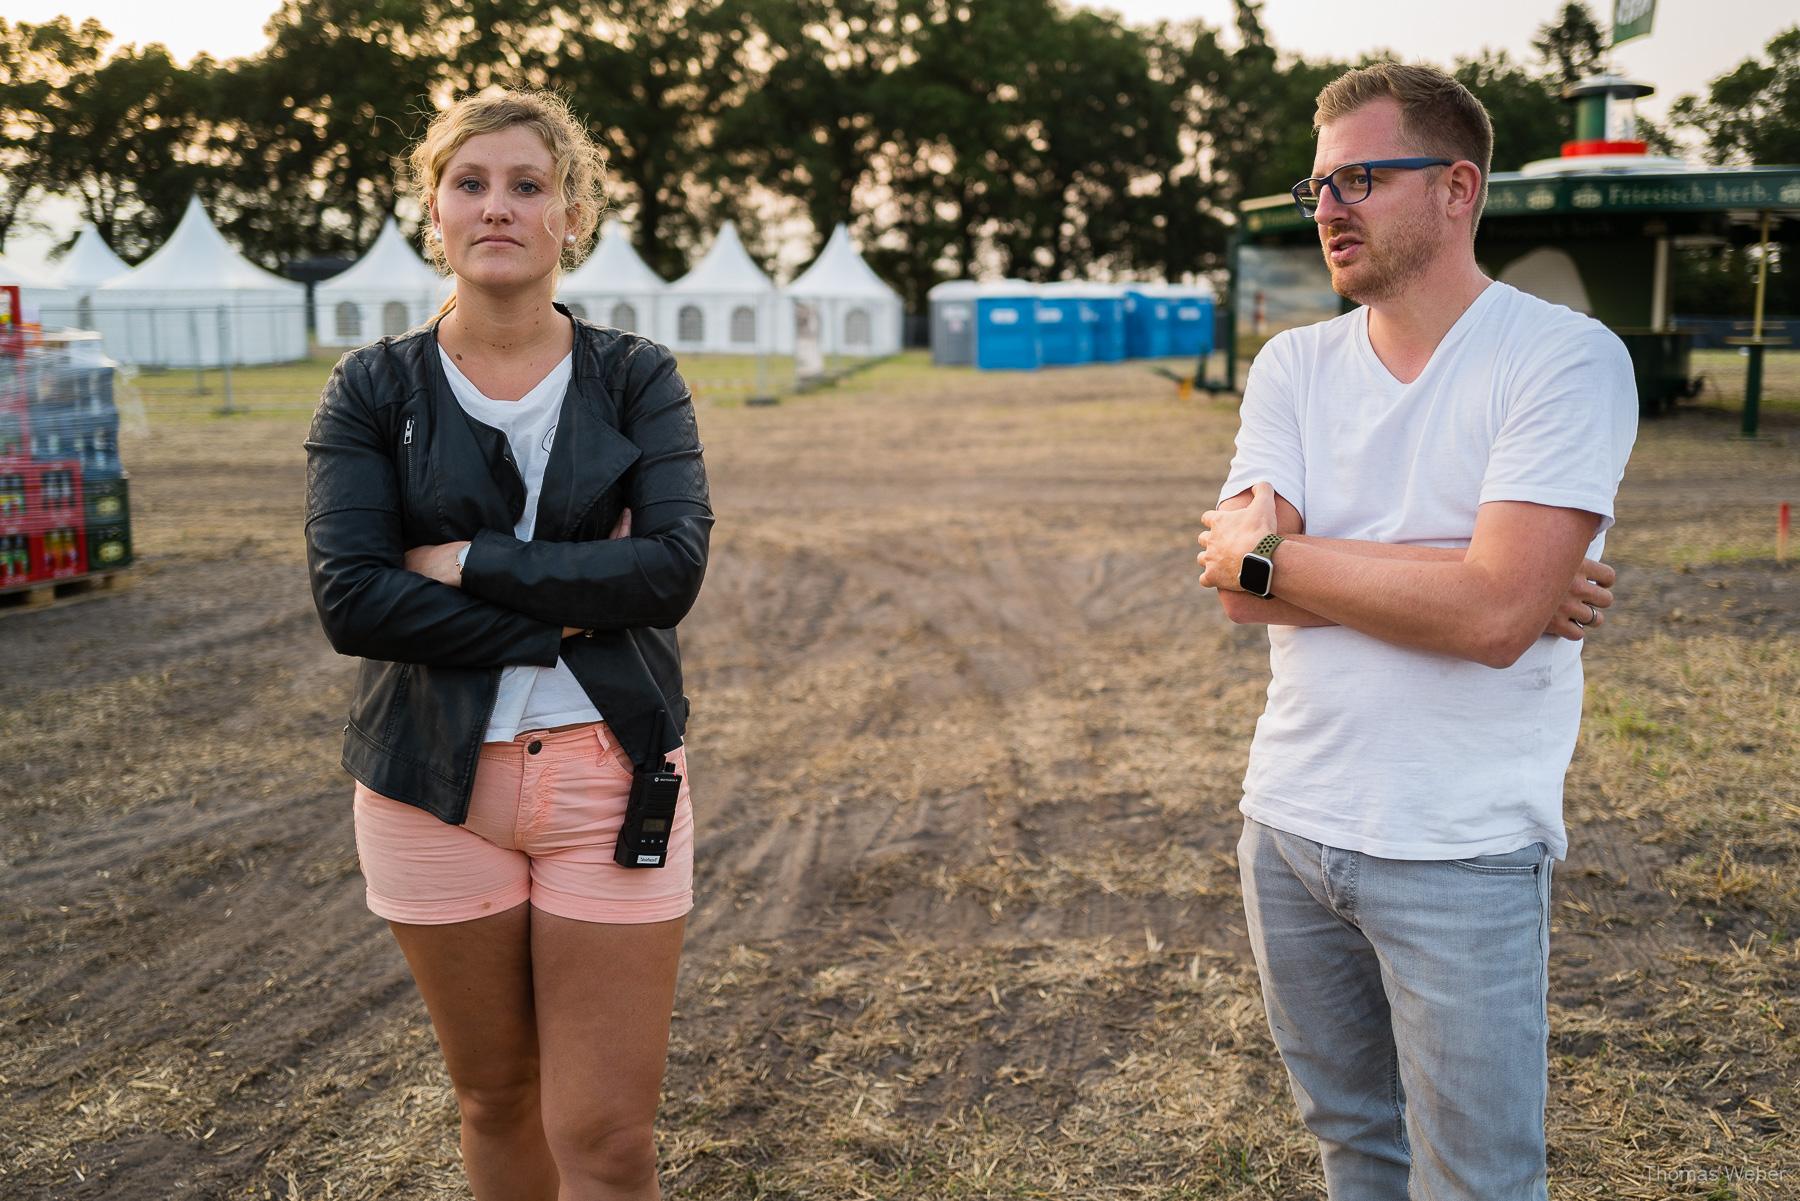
column 1255, row 574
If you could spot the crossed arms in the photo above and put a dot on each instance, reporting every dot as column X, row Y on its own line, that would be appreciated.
column 378, row 598
column 1522, row 575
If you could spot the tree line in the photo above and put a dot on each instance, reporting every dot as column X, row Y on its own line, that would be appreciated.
column 954, row 136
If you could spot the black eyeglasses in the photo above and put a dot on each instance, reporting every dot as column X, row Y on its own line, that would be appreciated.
column 1352, row 182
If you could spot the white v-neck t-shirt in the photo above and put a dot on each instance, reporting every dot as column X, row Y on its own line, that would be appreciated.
column 1411, row 754
column 531, row 698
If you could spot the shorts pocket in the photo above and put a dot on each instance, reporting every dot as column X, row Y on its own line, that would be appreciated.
column 609, row 755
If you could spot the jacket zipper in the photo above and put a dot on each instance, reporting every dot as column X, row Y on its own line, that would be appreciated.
column 406, row 439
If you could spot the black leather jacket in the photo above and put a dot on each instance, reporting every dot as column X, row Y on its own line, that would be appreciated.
column 394, row 462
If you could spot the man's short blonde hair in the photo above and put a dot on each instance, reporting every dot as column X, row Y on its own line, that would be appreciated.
column 1438, row 115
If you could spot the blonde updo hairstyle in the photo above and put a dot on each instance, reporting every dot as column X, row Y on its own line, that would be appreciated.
column 579, row 182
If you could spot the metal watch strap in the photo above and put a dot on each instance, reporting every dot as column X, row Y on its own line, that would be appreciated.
column 1267, row 546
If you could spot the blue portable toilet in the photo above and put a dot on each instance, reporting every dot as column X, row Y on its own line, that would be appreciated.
column 1147, row 316
column 1006, row 327
column 1066, row 321
column 1108, row 304
column 1190, row 319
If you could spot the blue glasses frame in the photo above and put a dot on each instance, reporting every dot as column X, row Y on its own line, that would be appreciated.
column 1309, row 204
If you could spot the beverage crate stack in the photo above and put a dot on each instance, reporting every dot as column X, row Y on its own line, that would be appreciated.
column 65, row 509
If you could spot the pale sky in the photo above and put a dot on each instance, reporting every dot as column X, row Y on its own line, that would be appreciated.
column 1692, row 41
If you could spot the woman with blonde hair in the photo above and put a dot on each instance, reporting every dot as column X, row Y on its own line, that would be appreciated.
column 507, row 516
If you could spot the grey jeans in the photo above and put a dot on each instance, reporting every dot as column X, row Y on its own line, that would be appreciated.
column 1408, row 1001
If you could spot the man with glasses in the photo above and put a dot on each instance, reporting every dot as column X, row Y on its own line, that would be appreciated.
column 1416, row 510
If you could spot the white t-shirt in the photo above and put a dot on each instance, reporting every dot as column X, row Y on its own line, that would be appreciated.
column 531, row 698
column 1409, row 754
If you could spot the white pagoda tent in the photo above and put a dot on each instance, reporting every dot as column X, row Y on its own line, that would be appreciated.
column 387, row 291
column 857, row 313
column 724, row 305
column 197, row 302
column 89, row 263
column 614, row 286
column 42, row 299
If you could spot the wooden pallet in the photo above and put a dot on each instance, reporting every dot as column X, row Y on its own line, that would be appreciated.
column 27, row 598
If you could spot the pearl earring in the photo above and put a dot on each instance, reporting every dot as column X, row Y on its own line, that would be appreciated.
column 570, row 239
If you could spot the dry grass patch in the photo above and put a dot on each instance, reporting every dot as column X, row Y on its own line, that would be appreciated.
column 907, row 1069
column 1696, row 736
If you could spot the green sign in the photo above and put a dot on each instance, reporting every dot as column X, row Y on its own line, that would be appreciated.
column 1631, row 19
column 1720, row 191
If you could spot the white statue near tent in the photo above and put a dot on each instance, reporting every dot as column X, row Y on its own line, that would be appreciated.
column 859, row 314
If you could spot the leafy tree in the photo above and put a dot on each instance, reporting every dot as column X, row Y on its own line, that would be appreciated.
column 965, row 125
column 38, row 66
column 1102, row 141
column 122, row 146
column 1015, row 136
column 1751, row 113
column 930, row 127
column 1530, row 121
column 1572, row 47
column 312, row 131
column 1250, row 116
column 1658, row 138
column 651, row 76
column 829, row 88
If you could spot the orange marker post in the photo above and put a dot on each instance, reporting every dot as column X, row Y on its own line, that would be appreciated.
column 1781, row 534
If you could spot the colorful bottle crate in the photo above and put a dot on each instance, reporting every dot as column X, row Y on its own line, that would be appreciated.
column 15, row 559
column 106, row 497
column 60, row 498
column 58, row 553
column 108, row 547
column 15, row 506
column 15, row 430
column 65, row 508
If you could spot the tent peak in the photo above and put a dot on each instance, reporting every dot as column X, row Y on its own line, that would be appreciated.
column 198, row 259
column 725, row 268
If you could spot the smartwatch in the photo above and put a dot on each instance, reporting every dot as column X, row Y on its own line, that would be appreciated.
column 1256, row 574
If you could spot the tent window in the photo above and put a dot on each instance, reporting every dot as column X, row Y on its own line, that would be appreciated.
column 856, row 327
column 578, row 310
column 349, row 319
column 624, row 316
column 393, row 317
column 743, row 324
column 690, row 324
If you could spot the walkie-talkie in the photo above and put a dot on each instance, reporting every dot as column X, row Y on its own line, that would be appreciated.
column 650, row 813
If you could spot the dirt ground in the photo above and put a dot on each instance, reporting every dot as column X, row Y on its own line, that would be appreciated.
column 966, row 750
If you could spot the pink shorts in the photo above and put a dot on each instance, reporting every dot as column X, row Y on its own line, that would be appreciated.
column 542, row 822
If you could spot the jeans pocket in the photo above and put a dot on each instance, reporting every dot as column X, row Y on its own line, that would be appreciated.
column 1523, row 862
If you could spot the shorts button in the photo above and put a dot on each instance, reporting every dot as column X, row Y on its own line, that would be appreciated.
column 535, row 747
